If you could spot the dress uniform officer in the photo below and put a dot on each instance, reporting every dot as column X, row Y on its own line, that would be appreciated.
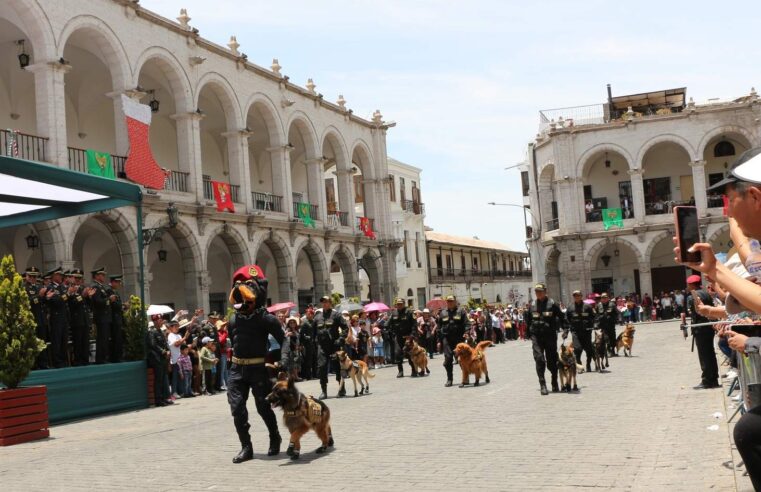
column 31, row 276
column 451, row 329
column 543, row 321
column 56, row 298
column 331, row 330
column 402, row 324
column 250, row 328
column 703, row 334
column 79, row 319
column 101, row 312
column 607, row 318
column 581, row 319
column 116, row 347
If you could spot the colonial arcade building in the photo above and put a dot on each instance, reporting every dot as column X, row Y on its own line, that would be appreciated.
column 642, row 153
column 216, row 117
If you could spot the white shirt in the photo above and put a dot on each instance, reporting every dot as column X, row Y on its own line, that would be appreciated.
column 174, row 351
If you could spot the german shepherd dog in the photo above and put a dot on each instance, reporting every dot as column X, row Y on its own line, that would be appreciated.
column 567, row 368
column 417, row 356
column 300, row 415
column 356, row 370
column 472, row 361
column 601, row 351
column 626, row 340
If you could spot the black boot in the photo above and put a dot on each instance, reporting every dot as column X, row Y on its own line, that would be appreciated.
column 342, row 392
column 400, row 374
column 275, row 442
column 324, row 393
column 246, row 453
column 555, row 387
column 448, row 383
column 543, row 388
column 589, row 365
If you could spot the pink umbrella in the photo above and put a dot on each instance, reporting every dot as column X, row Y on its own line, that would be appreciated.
column 280, row 307
column 589, row 301
column 376, row 306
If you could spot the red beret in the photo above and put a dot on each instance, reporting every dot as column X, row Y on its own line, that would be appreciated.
column 694, row 279
column 248, row 272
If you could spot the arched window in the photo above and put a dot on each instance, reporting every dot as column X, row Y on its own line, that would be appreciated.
column 724, row 149
column 499, row 299
column 409, row 292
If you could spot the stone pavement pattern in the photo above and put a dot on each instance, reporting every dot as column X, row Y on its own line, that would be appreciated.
column 639, row 427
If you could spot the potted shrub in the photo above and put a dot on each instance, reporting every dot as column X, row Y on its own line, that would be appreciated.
column 23, row 411
column 135, row 332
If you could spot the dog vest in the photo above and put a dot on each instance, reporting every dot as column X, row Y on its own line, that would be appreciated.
column 311, row 409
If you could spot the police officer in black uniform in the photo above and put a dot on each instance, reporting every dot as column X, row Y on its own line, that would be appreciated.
column 543, row 320
column 308, row 339
column 158, row 358
column 703, row 334
column 31, row 275
column 117, row 319
column 607, row 318
column 249, row 330
column 402, row 324
column 451, row 328
column 331, row 332
column 581, row 319
column 101, row 312
column 56, row 299
column 79, row 319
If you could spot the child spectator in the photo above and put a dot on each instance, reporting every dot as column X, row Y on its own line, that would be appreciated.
column 379, row 359
column 186, row 371
column 208, row 364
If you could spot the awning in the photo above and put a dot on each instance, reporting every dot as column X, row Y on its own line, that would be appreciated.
column 670, row 98
column 33, row 192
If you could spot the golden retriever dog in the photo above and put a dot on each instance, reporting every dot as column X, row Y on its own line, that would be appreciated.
column 625, row 340
column 300, row 415
column 472, row 360
column 356, row 370
column 417, row 355
column 567, row 368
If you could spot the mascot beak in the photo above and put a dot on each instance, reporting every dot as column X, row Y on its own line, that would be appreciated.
column 242, row 294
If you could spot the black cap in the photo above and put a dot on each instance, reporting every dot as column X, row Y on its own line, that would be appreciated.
column 67, row 273
column 115, row 278
column 747, row 168
column 33, row 271
column 54, row 271
column 77, row 272
column 98, row 271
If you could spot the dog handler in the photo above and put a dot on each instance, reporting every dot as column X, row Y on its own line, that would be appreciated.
column 542, row 324
column 607, row 317
column 402, row 324
column 581, row 317
column 249, row 328
column 451, row 322
column 331, row 334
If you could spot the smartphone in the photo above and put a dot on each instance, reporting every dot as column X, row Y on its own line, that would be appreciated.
column 687, row 232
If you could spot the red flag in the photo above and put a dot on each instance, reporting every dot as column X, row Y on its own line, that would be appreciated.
column 222, row 196
column 366, row 227
column 726, row 205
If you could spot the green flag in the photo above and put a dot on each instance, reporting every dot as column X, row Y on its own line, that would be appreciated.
column 305, row 214
column 99, row 164
column 612, row 217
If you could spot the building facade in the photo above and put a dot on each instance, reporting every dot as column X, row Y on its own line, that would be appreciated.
column 217, row 117
column 470, row 268
column 643, row 154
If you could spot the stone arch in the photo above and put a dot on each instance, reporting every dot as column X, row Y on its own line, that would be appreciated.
column 333, row 136
column 362, row 150
column 722, row 130
column 234, row 241
column 192, row 259
column 718, row 232
column 348, row 263
column 52, row 242
column 319, row 265
column 224, row 91
column 306, row 129
column 272, row 119
column 553, row 274
column 600, row 245
column 546, row 175
column 370, row 261
column 587, row 157
column 173, row 71
column 283, row 261
column 108, row 42
column 666, row 137
column 36, row 27
column 654, row 242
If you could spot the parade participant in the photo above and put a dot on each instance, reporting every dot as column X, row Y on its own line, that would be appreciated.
column 79, row 318
column 37, row 304
column 402, row 324
column 249, row 330
column 331, row 332
column 427, row 332
column 101, row 312
column 308, row 341
column 581, row 318
column 607, row 317
column 543, row 319
column 703, row 335
column 56, row 299
column 158, row 355
column 451, row 329
column 117, row 319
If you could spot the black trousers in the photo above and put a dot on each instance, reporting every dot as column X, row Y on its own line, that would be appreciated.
column 585, row 338
column 307, row 367
column 400, row 354
column 707, row 356
column 59, row 340
column 545, row 347
column 610, row 332
column 448, row 351
column 102, row 341
column 116, row 346
column 747, row 434
column 324, row 363
column 80, row 339
column 254, row 379
column 160, row 389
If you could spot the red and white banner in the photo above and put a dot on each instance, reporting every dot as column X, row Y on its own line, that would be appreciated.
column 366, row 227
column 223, row 196
column 141, row 167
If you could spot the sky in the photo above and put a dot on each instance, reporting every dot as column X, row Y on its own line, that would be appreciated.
column 465, row 80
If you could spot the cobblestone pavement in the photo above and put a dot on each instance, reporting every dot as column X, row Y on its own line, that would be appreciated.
column 639, row 427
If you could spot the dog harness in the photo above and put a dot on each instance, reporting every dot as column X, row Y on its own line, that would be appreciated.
column 248, row 362
column 308, row 407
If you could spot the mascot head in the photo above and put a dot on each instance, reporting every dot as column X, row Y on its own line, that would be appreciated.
column 249, row 290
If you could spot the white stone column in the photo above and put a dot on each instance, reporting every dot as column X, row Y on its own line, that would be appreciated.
column 699, row 186
column 645, row 281
column 238, row 162
column 189, row 150
column 50, row 100
column 638, row 194
column 316, row 187
column 281, row 175
column 345, row 179
column 148, row 277
column 202, row 291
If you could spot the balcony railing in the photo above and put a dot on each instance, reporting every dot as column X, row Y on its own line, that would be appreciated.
column 268, row 202
column 177, row 181
column 313, row 210
column 553, row 225
column 414, row 207
column 659, row 207
column 338, row 218
column 78, row 162
column 30, row 147
column 460, row 275
column 208, row 191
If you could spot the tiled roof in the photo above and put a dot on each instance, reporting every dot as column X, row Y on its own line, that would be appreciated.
column 440, row 237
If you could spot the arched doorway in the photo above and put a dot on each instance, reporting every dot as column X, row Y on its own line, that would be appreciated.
column 719, row 153
column 264, row 157
column 553, row 275
column 614, row 268
column 360, row 172
column 306, row 168
column 310, row 274
column 338, row 178
column 17, row 90
column 548, row 204
column 13, row 242
column 274, row 259
column 606, row 185
column 174, row 269
column 666, row 274
column 226, row 253
column 344, row 275
column 370, row 275
column 667, row 178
